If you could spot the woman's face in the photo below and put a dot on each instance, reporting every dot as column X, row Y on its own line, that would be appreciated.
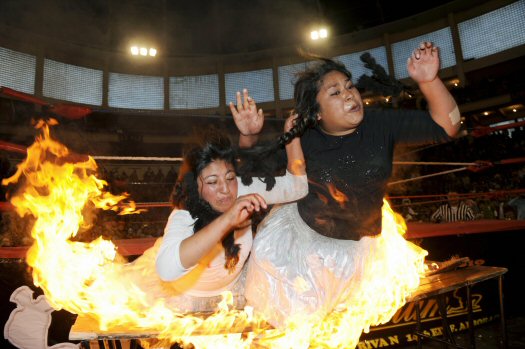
column 340, row 104
column 217, row 185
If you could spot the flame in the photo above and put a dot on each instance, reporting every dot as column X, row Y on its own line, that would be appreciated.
column 396, row 266
column 337, row 195
column 392, row 272
column 92, row 279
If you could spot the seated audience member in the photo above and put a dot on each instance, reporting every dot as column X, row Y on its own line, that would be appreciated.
column 453, row 211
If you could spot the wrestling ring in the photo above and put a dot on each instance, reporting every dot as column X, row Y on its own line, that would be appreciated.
column 132, row 247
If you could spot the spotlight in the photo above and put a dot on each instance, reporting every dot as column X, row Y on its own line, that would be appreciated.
column 143, row 51
column 320, row 33
column 134, row 50
column 152, row 52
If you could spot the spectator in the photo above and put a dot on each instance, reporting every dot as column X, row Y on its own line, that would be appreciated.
column 453, row 211
column 406, row 210
column 518, row 203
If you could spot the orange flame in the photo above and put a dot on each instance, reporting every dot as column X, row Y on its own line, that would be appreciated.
column 337, row 195
column 93, row 279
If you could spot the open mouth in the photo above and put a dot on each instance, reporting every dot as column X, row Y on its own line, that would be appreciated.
column 352, row 107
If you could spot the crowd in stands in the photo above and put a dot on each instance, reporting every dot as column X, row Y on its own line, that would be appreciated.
column 493, row 188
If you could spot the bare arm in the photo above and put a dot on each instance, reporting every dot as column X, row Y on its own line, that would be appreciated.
column 198, row 245
column 423, row 68
column 294, row 151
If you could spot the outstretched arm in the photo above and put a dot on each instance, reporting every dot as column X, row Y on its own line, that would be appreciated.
column 423, row 68
column 248, row 119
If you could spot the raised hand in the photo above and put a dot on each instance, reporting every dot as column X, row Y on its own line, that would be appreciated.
column 423, row 63
column 248, row 119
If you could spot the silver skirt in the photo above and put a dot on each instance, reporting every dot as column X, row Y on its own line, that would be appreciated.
column 296, row 274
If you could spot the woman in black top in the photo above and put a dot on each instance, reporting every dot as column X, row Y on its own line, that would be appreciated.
column 317, row 257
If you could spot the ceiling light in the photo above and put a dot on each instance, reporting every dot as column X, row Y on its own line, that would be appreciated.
column 143, row 51
column 134, row 50
column 319, row 33
column 152, row 52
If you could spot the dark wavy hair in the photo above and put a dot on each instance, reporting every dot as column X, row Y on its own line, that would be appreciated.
column 185, row 195
column 306, row 88
column 261, row 159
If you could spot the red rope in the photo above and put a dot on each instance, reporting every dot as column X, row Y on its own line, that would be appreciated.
column 135, row 247
column 13, row 147
column 485, row 130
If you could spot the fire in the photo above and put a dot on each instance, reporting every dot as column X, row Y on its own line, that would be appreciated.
column 92, row 279
column 398, row 269
column 337, row 195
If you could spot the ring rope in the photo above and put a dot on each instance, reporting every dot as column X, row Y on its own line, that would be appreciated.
column 434, row 163
column 137, row 158
column 464, row 195
column 429, row 175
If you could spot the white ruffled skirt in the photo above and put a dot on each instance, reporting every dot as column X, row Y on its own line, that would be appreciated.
column 295, row 274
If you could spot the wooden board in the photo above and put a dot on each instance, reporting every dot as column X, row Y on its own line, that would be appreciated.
column 86, row 328
column 449, row 281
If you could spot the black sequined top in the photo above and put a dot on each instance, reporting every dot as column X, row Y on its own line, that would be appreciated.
column 347, row 175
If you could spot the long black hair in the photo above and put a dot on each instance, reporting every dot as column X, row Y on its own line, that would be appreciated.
column 185, row 195
column 261, row 159
column 306, row 88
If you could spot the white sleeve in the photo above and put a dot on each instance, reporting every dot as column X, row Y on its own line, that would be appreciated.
column 287, row 188
column 179, row 227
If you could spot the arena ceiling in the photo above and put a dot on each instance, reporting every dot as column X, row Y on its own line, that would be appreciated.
column 205, row 27
column 212, row 27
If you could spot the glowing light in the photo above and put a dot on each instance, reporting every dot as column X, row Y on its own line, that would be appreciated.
column 320, row 33
column 143, row 51
column 514, row 110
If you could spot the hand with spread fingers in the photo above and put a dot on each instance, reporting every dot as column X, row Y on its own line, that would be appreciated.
column 423, row 63
column 248, row 119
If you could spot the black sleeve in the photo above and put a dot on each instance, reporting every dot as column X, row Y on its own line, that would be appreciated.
column 412, row 126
